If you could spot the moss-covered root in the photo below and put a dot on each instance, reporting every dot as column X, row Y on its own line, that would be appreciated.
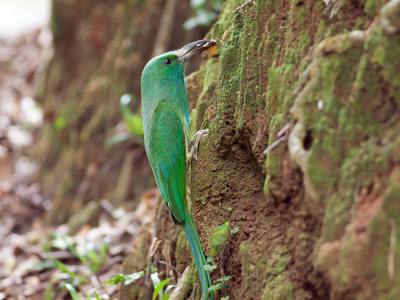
column 184, row 285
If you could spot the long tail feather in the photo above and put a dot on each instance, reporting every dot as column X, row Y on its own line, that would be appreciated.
column 198, row 256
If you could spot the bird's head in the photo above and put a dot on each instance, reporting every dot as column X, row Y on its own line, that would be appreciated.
column 172, row 62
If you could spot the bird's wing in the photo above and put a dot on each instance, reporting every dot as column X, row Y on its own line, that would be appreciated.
column 168, row 158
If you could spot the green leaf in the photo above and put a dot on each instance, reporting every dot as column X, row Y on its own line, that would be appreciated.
column 42, row 266
column 225, row 298
column 72, row 291
column 226, row 224
column 215, row 287
column 115, row 280
column 169, row 288
column 94, row 266
column 217, row 243
column 132, row 277
column 222, row 228
column 60, row 123
column 226, row 278
column 75, row 252
column 133, row 121
column 160, row 286
column 104, row 247
column 234, row 230
column 62, row 267
column 126, row 278
column 118, row 138
column 209, row 267
column 155, row 279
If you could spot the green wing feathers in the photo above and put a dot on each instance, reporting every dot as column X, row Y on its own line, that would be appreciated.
column 168, row 158
column 167, row 155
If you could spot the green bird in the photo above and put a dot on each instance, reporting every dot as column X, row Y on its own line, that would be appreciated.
column 166, row 137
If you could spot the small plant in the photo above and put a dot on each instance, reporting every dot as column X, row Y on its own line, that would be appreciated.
column 126, row 279
column 158, row 287
column 219, row 238
column 133, row 122
column 235, row 230
column 210, row 266
column 70, row 277
column 219, row 283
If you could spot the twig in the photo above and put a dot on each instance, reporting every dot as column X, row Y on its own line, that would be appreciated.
column 170, row 265
column 153, row 248
column 284, row 129
column 194, row 292
column 166, row 251
column 275, row 144
column 155, row 243
column 392, row 248
column 221, row 42
column 243, row 6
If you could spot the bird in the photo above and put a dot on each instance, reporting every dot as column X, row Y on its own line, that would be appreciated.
column 165, row 115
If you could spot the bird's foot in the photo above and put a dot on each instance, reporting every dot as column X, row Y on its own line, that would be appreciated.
column 194, row 143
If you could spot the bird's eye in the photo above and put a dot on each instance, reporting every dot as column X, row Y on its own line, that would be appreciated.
column 167, row 61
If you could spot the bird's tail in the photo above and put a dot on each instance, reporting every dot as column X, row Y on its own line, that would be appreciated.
column 198, row 256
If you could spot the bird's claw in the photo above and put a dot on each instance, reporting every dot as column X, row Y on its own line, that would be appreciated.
column 194, row 143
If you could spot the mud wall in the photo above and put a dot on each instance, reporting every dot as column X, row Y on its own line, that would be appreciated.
column 318, row 214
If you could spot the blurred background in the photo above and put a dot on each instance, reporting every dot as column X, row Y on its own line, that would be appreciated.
column 74, row 181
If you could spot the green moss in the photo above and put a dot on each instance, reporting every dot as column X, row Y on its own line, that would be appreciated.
column 304, row 40
column 224, row 19
column 260, row 63
column 278, row 286
column 380, row 234
column 181, row 243
column 245, row 258
column 273, row 163
column 321, row 31
column 336, row 216
column 360, row 23
column 372, row 6
column 391, row 203
column 247, row 268
column 279, row 80
column 301, row 15
column 323, row 178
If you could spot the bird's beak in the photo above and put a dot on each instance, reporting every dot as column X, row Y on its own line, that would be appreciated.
column 195, row 47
